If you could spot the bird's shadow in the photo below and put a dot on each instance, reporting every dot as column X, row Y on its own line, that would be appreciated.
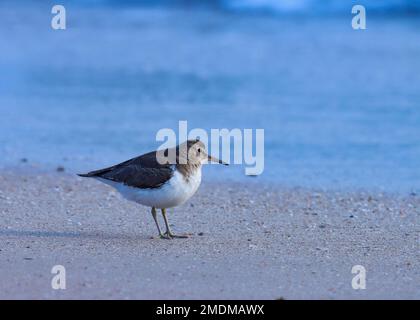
column 71, row 235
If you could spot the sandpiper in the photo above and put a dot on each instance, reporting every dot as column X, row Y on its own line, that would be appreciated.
column 158, row 184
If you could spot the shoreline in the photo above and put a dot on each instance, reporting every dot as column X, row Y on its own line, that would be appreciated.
column 249, row 242
column 60, row 170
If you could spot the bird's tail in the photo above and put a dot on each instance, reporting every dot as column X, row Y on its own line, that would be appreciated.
column 96, row 173
column 84, row 175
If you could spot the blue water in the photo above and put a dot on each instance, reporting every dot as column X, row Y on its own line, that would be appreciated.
column 321, row 6
column 340, row 108
column 277, row 7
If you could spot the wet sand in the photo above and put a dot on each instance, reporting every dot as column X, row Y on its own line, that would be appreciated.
column 250, row 241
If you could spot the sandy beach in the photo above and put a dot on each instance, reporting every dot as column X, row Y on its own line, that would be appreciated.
column 250, row 241
column 340, row 110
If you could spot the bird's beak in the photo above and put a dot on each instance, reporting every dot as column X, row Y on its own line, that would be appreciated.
column 213, row 159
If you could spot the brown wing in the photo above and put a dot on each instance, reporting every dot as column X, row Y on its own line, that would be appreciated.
column 140, row 172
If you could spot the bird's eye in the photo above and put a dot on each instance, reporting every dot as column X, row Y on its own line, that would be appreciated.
column 199, row 150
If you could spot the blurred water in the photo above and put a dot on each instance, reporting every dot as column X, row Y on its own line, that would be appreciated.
column 340, row 108
column 278, row 7
column 322, row 6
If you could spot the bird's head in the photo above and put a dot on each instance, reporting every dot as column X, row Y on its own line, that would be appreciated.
column 194, row 152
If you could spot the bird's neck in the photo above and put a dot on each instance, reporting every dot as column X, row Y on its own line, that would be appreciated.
column 188, row 170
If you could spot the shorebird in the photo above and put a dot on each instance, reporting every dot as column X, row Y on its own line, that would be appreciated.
column 157, row 182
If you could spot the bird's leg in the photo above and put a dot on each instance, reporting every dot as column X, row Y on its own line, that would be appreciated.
column 168, row 229
column 157, row 224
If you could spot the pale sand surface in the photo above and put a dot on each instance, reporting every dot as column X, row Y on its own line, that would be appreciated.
column 257, row 241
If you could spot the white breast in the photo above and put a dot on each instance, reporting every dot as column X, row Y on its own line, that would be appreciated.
column 173, row 193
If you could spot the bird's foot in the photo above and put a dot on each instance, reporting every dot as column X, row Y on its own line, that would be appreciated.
column 170, row 235
column 181, row 236
column 165, row 236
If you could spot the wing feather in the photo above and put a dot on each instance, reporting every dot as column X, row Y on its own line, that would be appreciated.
column 141, row 172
